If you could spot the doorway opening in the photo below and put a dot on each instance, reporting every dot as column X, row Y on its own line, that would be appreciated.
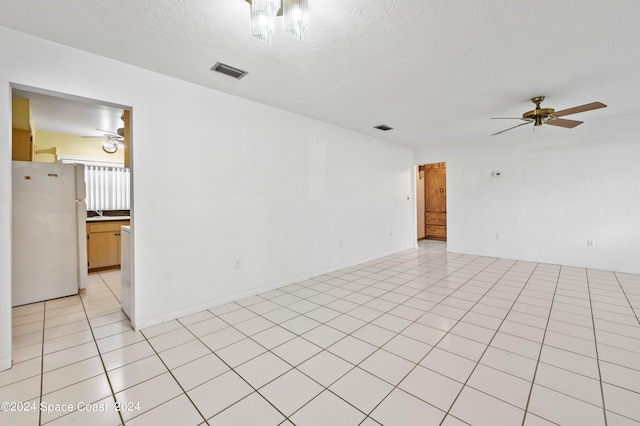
column 62, row 129
column 431, row 196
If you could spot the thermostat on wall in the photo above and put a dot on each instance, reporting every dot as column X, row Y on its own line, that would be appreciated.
column 496, row 174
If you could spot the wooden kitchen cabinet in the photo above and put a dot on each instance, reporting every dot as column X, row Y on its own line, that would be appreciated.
column 22, row 145
column 22, row 126
column 103, row 243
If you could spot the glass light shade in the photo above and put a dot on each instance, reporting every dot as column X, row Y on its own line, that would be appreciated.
column 296, row 17
column 263, row 13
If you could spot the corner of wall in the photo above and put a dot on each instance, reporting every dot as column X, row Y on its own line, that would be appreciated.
column 5, row 363
column 5, row 227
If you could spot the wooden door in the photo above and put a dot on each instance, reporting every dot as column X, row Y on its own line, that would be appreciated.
column 436, row 201
column 436, row 187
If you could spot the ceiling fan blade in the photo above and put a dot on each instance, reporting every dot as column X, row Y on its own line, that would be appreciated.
column 561, row 122
column 581, row 108
column 511, row 128
column 108, row 131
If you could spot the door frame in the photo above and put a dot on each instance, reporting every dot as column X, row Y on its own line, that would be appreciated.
column 7, row 305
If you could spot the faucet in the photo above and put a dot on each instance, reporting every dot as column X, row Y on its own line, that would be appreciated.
column 100, row 212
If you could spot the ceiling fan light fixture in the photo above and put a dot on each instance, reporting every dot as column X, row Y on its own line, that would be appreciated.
column 110, row 145
column 540, row 116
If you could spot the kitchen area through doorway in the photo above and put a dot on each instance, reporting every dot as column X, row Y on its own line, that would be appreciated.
column 71, row 160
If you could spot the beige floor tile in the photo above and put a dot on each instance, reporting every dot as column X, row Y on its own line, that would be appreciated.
column 178, row 410
column 119, row 340
column 148, row 395
column 252, row 410
column 403, row 409
column 406, row 302
column 63, row 342
column 362, row 389
column 478, row 408
column 199, row 371
column 328, row 409
column 22, row 390
column 71, row 374
column 217, row 394
column 127, row 354
column 291, row 391
column 88, row 391
column 99, row 413
column 136, row 372
column 184, row 353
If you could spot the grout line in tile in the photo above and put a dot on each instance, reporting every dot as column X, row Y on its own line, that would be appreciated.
column 104, row 367
column 326, row 388
column 627, row 297
column 172, row 375
column 524, row 285
column 230, row 369
column 435, row 345
column 535, row 372
column 595, row 339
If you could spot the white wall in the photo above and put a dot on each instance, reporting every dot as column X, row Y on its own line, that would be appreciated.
column 217, row 178
column 559, row 188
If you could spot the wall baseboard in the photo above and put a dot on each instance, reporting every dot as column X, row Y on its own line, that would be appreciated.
column 170, row 316
column 5, row 363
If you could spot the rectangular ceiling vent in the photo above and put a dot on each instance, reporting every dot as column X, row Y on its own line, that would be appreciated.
column 383, row 127
column 229, row 70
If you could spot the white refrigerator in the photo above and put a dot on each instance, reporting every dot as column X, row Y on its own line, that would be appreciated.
column 49, row 242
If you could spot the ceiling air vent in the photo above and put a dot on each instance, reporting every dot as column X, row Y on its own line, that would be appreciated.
column 229, row 70
column 383, row 127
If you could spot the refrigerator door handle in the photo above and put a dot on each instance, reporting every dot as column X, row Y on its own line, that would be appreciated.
column 81, row 221
column 81, row 186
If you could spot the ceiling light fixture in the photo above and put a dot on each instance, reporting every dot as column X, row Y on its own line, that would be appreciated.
column 110, row 145
column 264, row 12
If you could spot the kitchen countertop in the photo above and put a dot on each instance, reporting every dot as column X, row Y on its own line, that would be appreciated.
column 107, row 218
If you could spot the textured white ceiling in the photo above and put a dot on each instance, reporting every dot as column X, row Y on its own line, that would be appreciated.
column 435, row 70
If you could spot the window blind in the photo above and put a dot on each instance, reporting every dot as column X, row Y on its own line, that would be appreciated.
column 108, row 188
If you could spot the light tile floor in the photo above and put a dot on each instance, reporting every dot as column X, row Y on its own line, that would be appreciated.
column 421, row 337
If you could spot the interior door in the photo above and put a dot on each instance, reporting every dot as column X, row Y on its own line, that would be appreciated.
column 435, row 188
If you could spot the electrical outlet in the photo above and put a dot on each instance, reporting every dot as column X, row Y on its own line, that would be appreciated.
column 590, row 243
column 498, row 236
column 236, row 264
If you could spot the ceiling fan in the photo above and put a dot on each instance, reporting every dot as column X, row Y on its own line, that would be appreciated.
column 540, row 116
column 118, row 134
column 112, row 140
